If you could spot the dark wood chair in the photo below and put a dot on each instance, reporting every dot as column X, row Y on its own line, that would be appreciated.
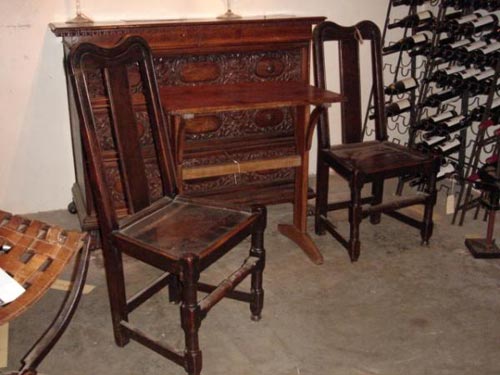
column 35, row 254
column 359, row 161
column 174, row 234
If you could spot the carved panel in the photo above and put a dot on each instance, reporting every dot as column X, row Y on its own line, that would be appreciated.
column 231, row 181
column 114, row 180
column 246, row 123
column 154, row 180
column 234, row 67
column 105, row 132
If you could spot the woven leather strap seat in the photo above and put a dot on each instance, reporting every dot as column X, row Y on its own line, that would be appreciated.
column 34, row 254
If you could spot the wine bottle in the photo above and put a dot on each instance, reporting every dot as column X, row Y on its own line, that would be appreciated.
column 396, row 3
column 401, row 86
column 446, row 170
column 430, row 141
column 430, row 123
column 449, row 147
column 430, row 52
column 469, row 4
column 442, row 76
column 478, row 25
column 454, row 49
column 453, row 125
column 459, row 79
column 492, row 5
column 413, row 20
column 485, row 56
column 407, row 43
column 435, row 100
column 489, row 172
column 397, row 108
column 477, row 113
column 464, row 53
column 480, row 83
column 455, row 25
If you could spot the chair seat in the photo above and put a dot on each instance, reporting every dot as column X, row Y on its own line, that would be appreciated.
column 182, row 227
column 375, row 158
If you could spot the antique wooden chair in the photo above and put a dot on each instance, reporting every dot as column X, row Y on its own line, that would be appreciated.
column 359, row 161
column 153, row 225
column 34, row 254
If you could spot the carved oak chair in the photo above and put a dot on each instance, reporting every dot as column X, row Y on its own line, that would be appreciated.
column 359, row 161
column 35, row 254
column 155, row 226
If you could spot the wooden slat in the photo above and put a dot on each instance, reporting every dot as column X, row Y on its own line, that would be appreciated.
column 243, row 167
column 127, row 138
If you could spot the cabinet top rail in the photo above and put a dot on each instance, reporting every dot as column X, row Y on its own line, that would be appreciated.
column 62, row 28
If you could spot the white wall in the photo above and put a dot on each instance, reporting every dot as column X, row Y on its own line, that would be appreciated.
column 36, row 165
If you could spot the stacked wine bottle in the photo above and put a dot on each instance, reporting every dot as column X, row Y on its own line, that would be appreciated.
column 450, row 93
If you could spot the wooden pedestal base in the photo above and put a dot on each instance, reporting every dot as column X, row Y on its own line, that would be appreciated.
column 303, row 240
column 481, row 248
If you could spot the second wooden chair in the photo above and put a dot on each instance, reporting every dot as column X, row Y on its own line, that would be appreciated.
column 361, row 162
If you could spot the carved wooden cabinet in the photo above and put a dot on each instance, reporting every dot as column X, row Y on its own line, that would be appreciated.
column 205, row 52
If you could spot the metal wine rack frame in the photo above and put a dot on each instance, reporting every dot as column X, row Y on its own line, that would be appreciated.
column 478, row 142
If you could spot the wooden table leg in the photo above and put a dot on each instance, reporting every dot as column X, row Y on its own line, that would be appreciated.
column 297, row 231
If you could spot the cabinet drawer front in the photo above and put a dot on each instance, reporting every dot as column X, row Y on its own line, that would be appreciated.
column 240, row 125
column 230, row 183
column 227, row 68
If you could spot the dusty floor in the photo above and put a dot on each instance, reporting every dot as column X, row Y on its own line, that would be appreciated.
column 401, row 309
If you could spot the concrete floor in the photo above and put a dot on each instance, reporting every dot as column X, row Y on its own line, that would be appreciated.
column 401, row 309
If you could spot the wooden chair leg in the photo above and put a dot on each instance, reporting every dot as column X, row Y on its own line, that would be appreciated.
column 321, row 209
column 377, row 193
column 115, row 280
column 355, row 218
column 190, row 314
column 175, row 290
column 427, row 224
column 259, row 251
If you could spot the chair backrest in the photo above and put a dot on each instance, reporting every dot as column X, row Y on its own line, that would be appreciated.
column 123, row 129
column 348, row 39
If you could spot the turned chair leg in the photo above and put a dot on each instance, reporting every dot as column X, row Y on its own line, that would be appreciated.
column 355, row 218
column 427, row 224
column 258, row 250
column 190, row 314
column 115, row 279
column 321, row 209
column 377, row 193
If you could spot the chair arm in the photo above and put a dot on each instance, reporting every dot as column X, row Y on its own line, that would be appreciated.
column 313, row 120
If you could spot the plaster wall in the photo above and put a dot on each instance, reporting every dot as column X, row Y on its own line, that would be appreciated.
column 36, row 165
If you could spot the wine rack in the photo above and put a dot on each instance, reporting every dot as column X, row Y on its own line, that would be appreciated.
column 442, row 73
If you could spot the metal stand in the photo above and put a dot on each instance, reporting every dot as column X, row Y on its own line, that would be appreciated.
column 486, row 247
